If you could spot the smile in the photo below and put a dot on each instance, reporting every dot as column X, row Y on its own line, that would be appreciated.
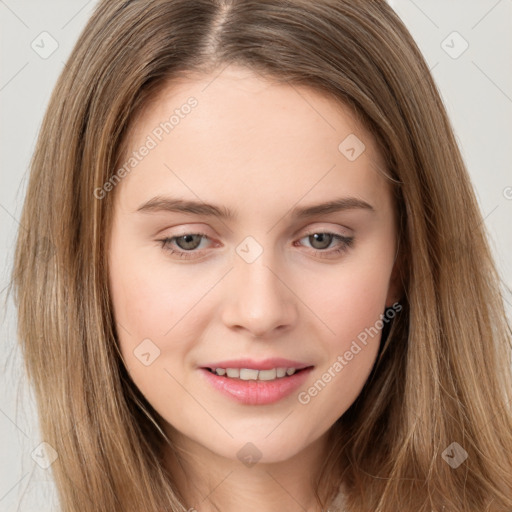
column 250, row 374
column 255, row 387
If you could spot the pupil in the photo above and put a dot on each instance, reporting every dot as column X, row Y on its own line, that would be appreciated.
column 318, row 238
column 188, row 239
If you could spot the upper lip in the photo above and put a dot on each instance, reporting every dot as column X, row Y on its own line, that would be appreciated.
column 265, row 364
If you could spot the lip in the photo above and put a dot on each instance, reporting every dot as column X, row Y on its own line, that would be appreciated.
column 256, row 392
column 266, row 364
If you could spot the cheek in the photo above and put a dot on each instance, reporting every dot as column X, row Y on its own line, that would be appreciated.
column 150, row 300
column 159, row 310
column 152, row 313
column 347, row 301
column 351, row 309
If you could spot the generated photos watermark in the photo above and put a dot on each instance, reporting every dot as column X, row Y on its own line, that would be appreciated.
column 304, row 397
column 152, row 140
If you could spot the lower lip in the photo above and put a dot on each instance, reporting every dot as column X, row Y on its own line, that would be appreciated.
column 257, row 392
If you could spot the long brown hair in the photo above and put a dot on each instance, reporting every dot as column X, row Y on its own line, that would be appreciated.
column 443, row 374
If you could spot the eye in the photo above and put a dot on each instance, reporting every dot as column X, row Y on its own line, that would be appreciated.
column 184, row 246
column 321, row 240
column 186, row 243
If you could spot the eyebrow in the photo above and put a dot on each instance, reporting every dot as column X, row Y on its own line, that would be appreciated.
column 169, row 204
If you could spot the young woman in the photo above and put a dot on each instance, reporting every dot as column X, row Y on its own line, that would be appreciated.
column 256, row 276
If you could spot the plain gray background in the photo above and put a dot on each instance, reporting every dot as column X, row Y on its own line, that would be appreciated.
column 476, row 86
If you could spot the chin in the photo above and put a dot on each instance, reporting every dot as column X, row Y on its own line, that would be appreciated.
column 263, row 450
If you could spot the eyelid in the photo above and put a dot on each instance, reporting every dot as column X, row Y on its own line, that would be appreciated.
column 343, row 245
column 187, row 230
column 325, row 229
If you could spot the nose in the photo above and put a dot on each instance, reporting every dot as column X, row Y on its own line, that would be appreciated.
column 260, row 301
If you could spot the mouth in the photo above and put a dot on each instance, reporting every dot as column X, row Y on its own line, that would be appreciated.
column 249, row 386
column 246, row 374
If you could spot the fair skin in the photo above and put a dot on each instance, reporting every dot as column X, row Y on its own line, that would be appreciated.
column 261, row 150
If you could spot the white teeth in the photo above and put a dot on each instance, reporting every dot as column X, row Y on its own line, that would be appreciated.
column 250, row 374
column 267, row 374
column 246, row 374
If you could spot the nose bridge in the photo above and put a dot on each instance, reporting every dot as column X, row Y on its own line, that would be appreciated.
column 259, row 300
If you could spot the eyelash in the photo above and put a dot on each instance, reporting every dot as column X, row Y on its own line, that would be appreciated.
column 346, row 243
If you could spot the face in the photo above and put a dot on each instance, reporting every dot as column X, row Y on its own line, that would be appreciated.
column 257, row 275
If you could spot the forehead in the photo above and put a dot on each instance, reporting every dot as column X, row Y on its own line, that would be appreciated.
column 250, row 137
column 237, row 97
